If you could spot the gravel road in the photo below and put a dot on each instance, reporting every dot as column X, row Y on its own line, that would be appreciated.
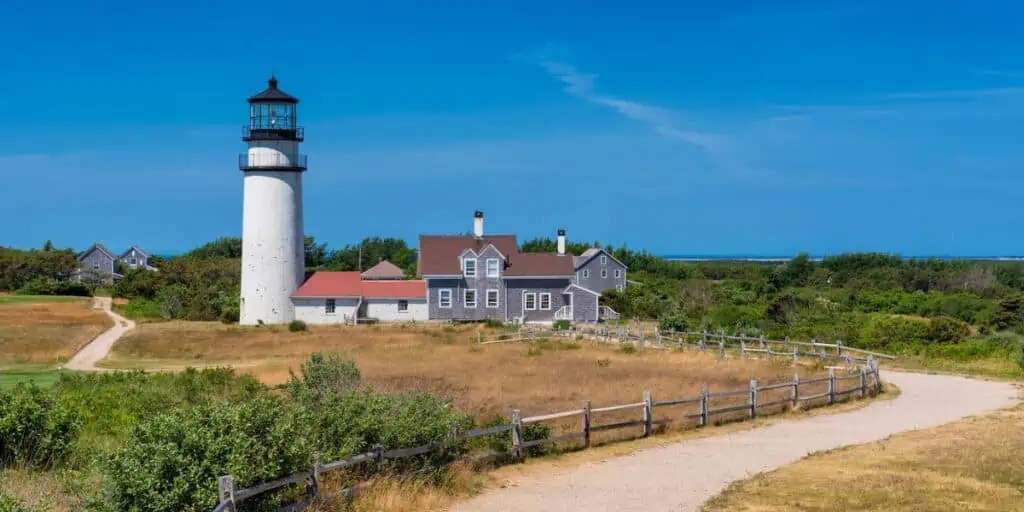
column 97, row 349
column 682, row 476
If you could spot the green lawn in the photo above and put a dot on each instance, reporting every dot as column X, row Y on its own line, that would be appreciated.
column 40, row 377
column 28, row 299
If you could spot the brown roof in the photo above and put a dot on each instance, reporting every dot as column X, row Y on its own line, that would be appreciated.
column 439, row 254
column 539, row 264
column 384, row 270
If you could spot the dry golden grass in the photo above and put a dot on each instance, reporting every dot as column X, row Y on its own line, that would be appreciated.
column 46, row 333
column 974, row 464
column 489, row 379
column 52, row 491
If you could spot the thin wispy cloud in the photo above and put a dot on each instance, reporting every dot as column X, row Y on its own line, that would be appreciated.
column 958, row 94
column 1007, row 73
column 662, row 120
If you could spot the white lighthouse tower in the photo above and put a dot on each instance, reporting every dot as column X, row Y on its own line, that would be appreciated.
column 273, row 256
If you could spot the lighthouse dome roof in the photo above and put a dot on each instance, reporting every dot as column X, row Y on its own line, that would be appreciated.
column 272, row 94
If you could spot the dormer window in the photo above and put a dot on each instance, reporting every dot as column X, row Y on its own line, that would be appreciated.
column 469, row 267
column 604, row 260
column 493, row 267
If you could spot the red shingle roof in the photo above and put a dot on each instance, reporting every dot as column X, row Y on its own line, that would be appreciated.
column 350, row 284
column 394, row 289
column 439, row 254
column 331, row 284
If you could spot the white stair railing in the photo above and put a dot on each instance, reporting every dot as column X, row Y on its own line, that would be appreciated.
column 564, row 313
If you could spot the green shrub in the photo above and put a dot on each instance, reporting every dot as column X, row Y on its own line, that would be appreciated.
column 322, row 375
column 562, row 325
column 49, row 286
column 141, row 308
column 9, row 503
column 36, row 430
column 503, row 442
column 882, row 331
column 494, row 324
column 675, row 322
column 945, row 329
column 297, row 325
column 171, row 461
column 354, row 422
column 627, row 348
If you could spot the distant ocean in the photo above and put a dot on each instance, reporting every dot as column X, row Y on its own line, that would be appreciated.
column 782, row 259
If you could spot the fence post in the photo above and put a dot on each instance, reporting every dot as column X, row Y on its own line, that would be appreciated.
column 226, row 491
column 704, row 342
column 839, row 348
column 831, row 386
column 648, row 413
column 863, row 382
column 743, row 349
column 479, row 337
column 796, row 390
column 761, row 343
column 785, row 343
column 796, row 355
column 517, row 434
column 314, row 489
column 586, row 424
column 721, row 349
column 753, row 398
column 378, row 451
column 703, row 405
column 453, row 436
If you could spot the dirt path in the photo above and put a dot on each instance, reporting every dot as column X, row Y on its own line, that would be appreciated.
column 682, row 476
column 97, row 349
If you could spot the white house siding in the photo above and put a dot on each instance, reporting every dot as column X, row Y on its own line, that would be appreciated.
column 386, row 310
column 314, row 311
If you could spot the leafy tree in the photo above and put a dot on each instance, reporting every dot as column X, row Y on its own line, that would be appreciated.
column 372, row 251
column 224, row 247
column 551, row 245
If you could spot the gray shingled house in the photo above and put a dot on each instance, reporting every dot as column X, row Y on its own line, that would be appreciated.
column 97, row 263
column 477, row 277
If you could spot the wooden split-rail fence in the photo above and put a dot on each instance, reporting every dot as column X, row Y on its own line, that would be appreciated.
column 702, row 341
column 707, row 407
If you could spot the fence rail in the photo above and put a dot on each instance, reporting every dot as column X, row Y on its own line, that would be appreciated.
column 869, row 383
column 702, row 341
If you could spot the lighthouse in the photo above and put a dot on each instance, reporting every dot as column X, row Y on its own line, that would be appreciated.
column 273, row 255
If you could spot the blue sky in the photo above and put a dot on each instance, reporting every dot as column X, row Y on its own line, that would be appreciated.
column 729, row 127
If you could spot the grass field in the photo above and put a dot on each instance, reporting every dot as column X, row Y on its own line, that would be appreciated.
column 493, row 379
column 37, row 333
column 974, row 464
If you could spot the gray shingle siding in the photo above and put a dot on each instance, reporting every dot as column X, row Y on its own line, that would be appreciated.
column 584, row 307
column 594, row 281
column 481, row 283
column 141, row 260
column 518, row 287
column 97, row 260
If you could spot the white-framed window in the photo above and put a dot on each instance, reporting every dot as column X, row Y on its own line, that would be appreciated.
column 604, row 259
column 545, row 301
column 618, row 273
column 444, row 298
column 604, row 273
column 133, row 261
column 530, row 301
column 403, row 306
column 469, row 267
column 493, row 268
column 492, row 298
column 329, row 306
column 586, row 273
column 96, row 265
column 469, row 298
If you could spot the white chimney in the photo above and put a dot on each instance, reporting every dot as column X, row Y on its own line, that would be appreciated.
column 478, row 224
column 561, row 242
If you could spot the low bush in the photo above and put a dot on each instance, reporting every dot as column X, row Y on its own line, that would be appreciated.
column 297, row 325
column 322, row 375
column 36, row 430
column 675, row 322
column 627, row 348
column 494, row 324
column 502, row 443
column 50, row 286
column 171, row 461
column 9, row 503
column 561, row 325
column 881, row 331
column 946, row 329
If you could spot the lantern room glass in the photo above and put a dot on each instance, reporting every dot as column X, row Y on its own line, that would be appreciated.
column 272, row 116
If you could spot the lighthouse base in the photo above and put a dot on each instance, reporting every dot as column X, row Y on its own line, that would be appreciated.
column 273, row 254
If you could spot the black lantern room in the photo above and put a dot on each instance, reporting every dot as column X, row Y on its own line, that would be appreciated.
column 272, row 115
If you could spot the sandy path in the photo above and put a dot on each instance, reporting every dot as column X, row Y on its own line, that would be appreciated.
column 684, row 475
column 97, row 349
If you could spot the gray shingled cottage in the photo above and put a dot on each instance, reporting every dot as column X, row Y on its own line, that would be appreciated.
column 477, row 277
column 97, row 263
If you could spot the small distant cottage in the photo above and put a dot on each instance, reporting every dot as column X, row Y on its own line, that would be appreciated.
column 385, row 270
column 100, row 264
column 346, row 298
